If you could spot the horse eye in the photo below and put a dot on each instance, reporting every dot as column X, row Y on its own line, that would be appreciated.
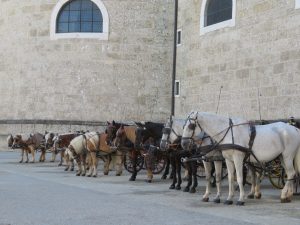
column 192, row 126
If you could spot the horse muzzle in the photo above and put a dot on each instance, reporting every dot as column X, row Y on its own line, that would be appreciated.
column 185, row 144
column 164, row 145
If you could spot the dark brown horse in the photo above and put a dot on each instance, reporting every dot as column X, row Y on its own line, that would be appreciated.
column 139, row 141
column 60, row 143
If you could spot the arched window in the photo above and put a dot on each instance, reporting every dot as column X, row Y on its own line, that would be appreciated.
column 79, row 19
column 218, row 11
column 216, row 14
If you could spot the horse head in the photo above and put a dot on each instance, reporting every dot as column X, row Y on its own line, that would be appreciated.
column 111, row 131
column 49, row 139
column 10, row 141
column 190, row 130
column 17, row 141
column 120, row 138
column 171, row 133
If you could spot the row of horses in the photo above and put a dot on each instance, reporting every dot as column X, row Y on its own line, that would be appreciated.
column 205, row 137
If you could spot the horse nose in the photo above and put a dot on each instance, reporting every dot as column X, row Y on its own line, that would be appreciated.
column 163, row 145
column 185, row 143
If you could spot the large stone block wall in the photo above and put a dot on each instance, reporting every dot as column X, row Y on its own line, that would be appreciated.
column 127, row 77
column 257, row 62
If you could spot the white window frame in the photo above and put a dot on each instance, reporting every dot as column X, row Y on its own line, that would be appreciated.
column 100, row 36
column 178, row 31
column 228, row 23
column 297, row 4
column 177, row 90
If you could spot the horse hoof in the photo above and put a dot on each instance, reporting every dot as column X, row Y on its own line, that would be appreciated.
column 77, row 174
column 26, row 161
column 178, row 188
column 148, row 181
column 20, row 161
column 171, row 177
column 228, row 202
column 217, row 200
column 66, row 169
column 31, row 161
column 51, row 160
column 83, row 174
column 186, row 189
column 285, row 200
column 132, row 179
column 172, row 187
column 193, row 190
column 251, row 196
column 94, row 175
column 205, row 199
column 118, row 174
column 72, row 169
column 105, row 173
column 240, row 203
column 59, row 164
column 89, row 175
column 258, row 196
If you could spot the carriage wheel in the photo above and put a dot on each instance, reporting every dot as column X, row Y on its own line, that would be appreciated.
column 277, row 175
column 159, row 164
column 128, row 162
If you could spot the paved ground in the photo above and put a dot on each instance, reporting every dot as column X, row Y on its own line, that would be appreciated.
column 43, row 194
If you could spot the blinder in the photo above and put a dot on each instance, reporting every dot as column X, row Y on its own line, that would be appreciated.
column 166, row 130
column 192, row 126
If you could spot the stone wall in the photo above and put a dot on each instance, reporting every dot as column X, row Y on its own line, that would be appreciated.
column 127, row 77
column 257, row 62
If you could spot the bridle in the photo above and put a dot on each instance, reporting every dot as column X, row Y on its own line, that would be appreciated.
column 168, row 131
column 192, row 126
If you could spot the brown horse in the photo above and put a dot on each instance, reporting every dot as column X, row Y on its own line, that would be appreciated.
column 10, row 140
column 96, row 145
column 125, row 140
column 29, row 144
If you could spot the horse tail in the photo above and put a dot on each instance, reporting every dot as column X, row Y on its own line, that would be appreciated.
column 297, row 161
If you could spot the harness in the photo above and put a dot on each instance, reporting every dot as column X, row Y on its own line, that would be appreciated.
column 223, row 147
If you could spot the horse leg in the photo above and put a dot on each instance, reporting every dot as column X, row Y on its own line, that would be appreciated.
column 61, row 158
column 288, row 189
column 207, row 168
column 22, row 155
column 253, row 182
column 94, row 163
column 90, row 164
column 31, row 148
column 230, row 169
column 78, row 160
column 195, row 179
column 119, row 163
column 106, row 164
column 72, row 164
column 134, row 159
column 189, row 177
column 53, row 156
column 258, row 177
column 149, row 160
column 165, row 174
column 83, row 159
column 218, row 170
column 238, row 162
column 178, row 169
column 26, row 154
column 173, row 164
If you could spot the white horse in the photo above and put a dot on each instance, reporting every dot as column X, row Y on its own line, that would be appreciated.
column 271, row 141
column 172, row 134
column 77, row 150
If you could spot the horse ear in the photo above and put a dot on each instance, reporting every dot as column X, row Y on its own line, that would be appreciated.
column 122, row 126
column 107, row 122
column 113, row 123
column 46, row 132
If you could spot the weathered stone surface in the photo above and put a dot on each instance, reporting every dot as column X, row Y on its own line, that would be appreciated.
column 258, row 61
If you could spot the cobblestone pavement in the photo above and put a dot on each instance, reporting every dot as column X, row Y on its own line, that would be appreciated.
column 42, row 194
